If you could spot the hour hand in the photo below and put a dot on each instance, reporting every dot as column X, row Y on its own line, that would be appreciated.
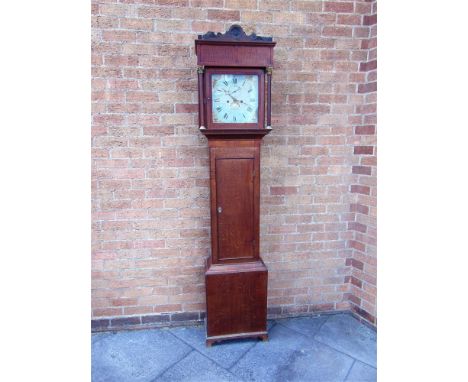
column 235, row 100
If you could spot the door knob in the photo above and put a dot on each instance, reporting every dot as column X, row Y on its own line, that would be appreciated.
column 220, row 210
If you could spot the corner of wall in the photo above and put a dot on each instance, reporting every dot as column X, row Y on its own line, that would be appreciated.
column 363, row 188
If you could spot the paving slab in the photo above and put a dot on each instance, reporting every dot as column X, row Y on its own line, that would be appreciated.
column 225, row 353
column 346, row 334
column 328, row 348
column 98, row 336
column 291, row 356
column 360, row 372
column 308, row 326
column 196, row 368
column 136, row 356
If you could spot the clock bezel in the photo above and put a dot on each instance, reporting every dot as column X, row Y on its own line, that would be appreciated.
column 261, row 98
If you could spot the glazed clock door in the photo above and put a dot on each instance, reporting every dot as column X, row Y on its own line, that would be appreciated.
column 235, row 203
column 235, row 98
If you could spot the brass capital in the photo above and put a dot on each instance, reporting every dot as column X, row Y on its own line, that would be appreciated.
column 200, row 69
column 269, row 70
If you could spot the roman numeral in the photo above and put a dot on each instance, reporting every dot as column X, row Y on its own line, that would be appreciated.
column 234, row 118
column 219, row 108
column 249, row 90
column 226, row 115
column 234, row 80
column 216, row 100
column 249, row 109
column 225, row 83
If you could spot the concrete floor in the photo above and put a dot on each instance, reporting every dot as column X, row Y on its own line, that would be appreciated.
column 325, row 348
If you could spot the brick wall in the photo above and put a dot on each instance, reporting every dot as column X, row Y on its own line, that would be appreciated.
column 363, row 188
column 151, row 227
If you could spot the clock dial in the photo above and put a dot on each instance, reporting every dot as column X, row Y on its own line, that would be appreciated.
column 234, row 98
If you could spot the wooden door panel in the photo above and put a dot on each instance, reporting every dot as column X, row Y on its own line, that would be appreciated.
column 235, row 207
column 236, row 302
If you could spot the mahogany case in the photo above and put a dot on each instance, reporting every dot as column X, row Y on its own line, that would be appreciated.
column 236, row 278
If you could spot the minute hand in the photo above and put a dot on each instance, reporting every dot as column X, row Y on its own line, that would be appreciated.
column 234, row 99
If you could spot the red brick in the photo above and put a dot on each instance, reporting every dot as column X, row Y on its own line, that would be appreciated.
column 338, row 7
column 283, row 190
column 142, row 97
column 348, row 20
column 355, row 226
column 364, row 130
column 124, row 302
column 369, row 43
column 353, row 299
column 364, row 314
column 363, row 150
column 307, row 6
column 215, row 14
column 172, row 3
column 370, row 20
column 207, row 3
column 357, row 245
column 113, row 9
column 119, row 35
column 356, row 282
column 357, row 189
column 241, row 4
column 367, row 88
column 136, row 24
column 363, row 170
column 355, row 263
column 367, row 66
column 186, row 108
column 355, row 207
column 337, row 31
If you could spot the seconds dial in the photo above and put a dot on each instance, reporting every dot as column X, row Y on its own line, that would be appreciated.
column 234, row 98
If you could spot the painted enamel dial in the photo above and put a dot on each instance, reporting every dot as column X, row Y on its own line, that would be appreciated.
column 234, row 98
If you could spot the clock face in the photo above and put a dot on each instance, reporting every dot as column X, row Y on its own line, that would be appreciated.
column 234, row 98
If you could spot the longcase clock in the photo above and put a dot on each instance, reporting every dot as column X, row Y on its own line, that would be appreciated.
column 234, row 96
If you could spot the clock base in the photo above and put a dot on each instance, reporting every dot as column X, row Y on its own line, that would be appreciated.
column 261, row 335
column 236, row 301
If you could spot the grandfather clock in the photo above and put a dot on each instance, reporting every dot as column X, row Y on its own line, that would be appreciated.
column 234, row 97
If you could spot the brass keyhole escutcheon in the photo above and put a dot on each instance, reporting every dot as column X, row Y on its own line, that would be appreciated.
column 220, row 210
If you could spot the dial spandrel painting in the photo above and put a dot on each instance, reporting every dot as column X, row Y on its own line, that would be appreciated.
column 234, row 98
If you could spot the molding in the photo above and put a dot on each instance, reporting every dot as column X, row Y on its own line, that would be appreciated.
column 235, row 133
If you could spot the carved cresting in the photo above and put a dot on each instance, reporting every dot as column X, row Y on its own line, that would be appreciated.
column 236, row 33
